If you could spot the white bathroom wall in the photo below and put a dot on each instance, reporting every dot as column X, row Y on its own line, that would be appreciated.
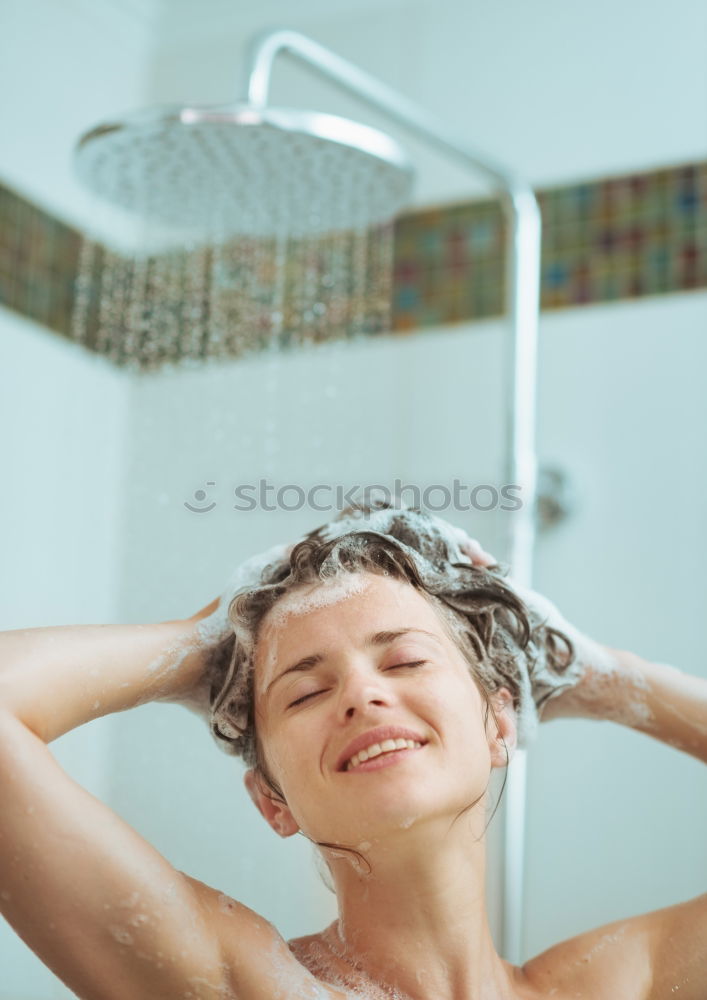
column 617, row 822
column 65, row 67
column 63, row 415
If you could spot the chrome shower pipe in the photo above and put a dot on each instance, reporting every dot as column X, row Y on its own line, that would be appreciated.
column 523, row 303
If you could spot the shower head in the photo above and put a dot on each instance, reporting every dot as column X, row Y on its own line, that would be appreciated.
column 233, row 170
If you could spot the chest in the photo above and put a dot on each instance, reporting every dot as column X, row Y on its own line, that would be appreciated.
column 343, row 976
column 584, row 976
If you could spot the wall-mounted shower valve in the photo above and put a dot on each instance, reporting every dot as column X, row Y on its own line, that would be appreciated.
column 556, row 497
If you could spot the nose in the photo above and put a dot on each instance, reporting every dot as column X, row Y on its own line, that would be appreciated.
column 363, row 687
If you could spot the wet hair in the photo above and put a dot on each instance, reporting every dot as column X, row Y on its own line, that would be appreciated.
column 502, row 640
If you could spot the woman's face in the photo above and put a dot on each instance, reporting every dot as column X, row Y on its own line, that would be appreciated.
column 333, row 663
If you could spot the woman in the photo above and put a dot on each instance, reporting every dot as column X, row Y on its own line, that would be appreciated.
column 379, row 628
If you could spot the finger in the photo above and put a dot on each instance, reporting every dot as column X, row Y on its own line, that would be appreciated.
column 485, row 560
column 476, row 553
column 209, row 609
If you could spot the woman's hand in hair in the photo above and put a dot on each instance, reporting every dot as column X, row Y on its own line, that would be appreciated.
column 616, row 685
column 585, row 685
column 213, row 633
column 214, row 623
column 473, row 549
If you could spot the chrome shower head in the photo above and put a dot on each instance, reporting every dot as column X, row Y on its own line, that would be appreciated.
column 239, row 170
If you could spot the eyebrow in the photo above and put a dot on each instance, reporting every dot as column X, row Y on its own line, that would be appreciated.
column 383, row 638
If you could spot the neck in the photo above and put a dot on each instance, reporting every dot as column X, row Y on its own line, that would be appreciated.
column 417, row 924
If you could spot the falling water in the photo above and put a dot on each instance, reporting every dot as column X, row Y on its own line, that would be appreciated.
column 228, row 299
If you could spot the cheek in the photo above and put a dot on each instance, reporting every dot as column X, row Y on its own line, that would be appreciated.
column 270, row 750
column 464, row 709
column 289, row 754
column 274, row 755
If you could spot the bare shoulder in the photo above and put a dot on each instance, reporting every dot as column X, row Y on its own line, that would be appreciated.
column 607, row 961
column 260, row 963
column 646, row 957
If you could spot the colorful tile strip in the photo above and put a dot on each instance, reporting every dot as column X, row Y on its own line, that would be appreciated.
column 619, row 238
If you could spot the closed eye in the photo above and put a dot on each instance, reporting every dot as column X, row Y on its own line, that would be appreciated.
column 414, row 663
column 304, row 698
column 396, row 666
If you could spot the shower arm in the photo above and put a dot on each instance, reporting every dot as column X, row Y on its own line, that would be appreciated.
column 522, row 302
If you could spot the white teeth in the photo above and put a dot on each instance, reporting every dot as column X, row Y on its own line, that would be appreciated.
column 375, row 749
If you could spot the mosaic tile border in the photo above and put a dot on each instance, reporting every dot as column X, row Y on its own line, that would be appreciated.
column 615, row 238
column 39, row 258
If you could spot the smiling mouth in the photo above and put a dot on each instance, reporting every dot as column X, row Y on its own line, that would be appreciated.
column 379, row 755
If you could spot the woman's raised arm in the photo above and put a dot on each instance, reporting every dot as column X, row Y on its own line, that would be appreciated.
column 104, row 910
column 653, row 698
column 55, row 679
